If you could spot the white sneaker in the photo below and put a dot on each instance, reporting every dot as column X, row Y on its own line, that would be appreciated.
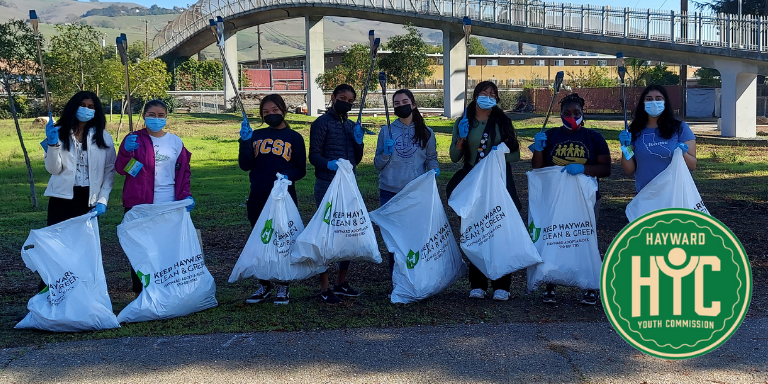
column 501, row 295
column 477, row 293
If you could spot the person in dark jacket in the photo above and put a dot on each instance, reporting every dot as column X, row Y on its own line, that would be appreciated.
column 332, row 137
column 266, row 152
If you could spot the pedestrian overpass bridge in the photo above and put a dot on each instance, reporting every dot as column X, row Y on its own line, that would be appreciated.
column 737, row 48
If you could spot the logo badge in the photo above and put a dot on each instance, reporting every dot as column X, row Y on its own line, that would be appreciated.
column 266, row 233
column 676, row 283
column 412, row 259
column 534, row 232
column 143, row 278
column 327, row 213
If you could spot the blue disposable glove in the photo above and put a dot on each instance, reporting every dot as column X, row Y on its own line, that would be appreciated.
column 130, row 143
column 389, row 147
column 245, row 130
column 51, row 132
column 191, row 206
column 358, row 133
column 332, row 165
column 625, row 138
column 464, row 126
column 574, row 169
column 495, row 147
column 99, row 209
column 284, row 177
column 683, row 146
column 539, row 141
column 437, row 172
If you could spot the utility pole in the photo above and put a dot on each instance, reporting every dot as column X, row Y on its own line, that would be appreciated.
column 258, row 43
column 146, row 39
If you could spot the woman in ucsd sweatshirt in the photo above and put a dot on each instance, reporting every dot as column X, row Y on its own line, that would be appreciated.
column 405, row 150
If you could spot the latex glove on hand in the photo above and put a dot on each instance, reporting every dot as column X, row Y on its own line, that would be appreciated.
column 684, row 147
column 284, row 177
column 539, row 141
column 495, row 147
column 358, row 133
column 51, row 132
column 191, row 206
column 625, row 138
column 245, row 130
column 99, row 209
column 437, row 172
column 464, row 126
column 333, row 166
column 574, row 169
column 389, row 147
column 130, row 143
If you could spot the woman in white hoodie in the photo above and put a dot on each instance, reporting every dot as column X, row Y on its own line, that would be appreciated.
column 405, row 150
column 80, row 158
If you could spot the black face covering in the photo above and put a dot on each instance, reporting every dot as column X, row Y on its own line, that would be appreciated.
column 274, row 119
column 342, row 107
column 403, row 111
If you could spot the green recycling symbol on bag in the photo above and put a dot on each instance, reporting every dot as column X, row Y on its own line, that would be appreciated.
column 676, row 283
column 266, row 233
column 143, row 278
column 412, row 259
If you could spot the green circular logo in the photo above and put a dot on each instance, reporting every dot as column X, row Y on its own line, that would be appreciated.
column 676, row 283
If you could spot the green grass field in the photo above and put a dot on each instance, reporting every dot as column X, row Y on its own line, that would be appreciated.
column 732, row 178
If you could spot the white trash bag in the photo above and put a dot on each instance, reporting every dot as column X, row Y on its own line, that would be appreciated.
column 340, row 229
column 266, row 255
column 561, row 217
column 162, row 245
column 415, row 228
column 672, row 188
column 493, row 235
column 68, row 257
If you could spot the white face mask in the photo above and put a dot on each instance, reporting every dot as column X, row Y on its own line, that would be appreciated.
column 654, row 108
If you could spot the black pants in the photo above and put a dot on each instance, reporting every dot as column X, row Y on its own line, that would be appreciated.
column 321, row 187
column 256, row 202
column 477, row 280
column 64, row 209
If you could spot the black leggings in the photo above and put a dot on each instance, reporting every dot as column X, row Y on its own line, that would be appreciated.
column 477, row 280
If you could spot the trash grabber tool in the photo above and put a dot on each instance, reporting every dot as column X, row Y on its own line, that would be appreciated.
column 374, row 43
column 627, row 151
column 383, row 83
column 467, row 32
column 33, row 20
column 558, row 83
column 217, row 27
column 122, row 49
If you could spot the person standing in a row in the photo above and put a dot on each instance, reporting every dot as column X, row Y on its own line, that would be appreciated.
column 483, row 127
column 265, row 153
column 332, row 137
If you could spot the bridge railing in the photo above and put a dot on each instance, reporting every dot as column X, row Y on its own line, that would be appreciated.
column 749, row 33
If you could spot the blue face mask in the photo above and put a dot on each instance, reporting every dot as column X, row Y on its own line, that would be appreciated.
column 154, row 124
column 85, row 114
column 485, row 102
column 654, row 108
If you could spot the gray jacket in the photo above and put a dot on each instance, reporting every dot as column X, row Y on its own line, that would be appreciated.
column 408, row 161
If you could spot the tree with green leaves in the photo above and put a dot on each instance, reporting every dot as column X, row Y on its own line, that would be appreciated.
column 661, row 75
column 596, row 77
column 353, row 70
column 18, row 53
column 74, row 59
column 636, row 70
column 407, row 65
column 748, row 7
column 708, row 77
column 476, row 47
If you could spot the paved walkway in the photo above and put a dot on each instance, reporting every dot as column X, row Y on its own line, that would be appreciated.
column 483, row 353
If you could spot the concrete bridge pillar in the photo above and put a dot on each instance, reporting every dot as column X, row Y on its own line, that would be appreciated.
column 230, row 52
column 315, row 63
column 454, row 72
column 739, row 93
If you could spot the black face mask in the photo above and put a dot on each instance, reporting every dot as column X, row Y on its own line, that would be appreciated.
column 403, row 111
column 342, row 107
column 274, row 119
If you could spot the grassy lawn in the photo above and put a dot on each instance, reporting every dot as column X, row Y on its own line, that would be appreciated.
column 732, row 178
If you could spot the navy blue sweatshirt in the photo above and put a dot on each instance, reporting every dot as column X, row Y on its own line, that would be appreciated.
column 279, row 150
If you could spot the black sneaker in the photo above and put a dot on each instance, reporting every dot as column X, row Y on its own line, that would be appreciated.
column 328, row 297
column 590, row 298
column 344, row 289
column 260, row 295
column 549, row 297
column 282, row 296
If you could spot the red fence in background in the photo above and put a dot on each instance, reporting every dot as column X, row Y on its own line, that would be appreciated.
column 600, row 100
column 275, row 79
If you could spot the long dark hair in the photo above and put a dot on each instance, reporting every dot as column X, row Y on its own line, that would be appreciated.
column 68, row 121
column 154, row 103
column 279, row 102
column 497, row 117
column 668, row 125
column 422, row 133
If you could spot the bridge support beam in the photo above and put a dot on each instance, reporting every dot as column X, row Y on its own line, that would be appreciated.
column 230, row 52
column 739, row 92
column 454, row 71
column 315, row 63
